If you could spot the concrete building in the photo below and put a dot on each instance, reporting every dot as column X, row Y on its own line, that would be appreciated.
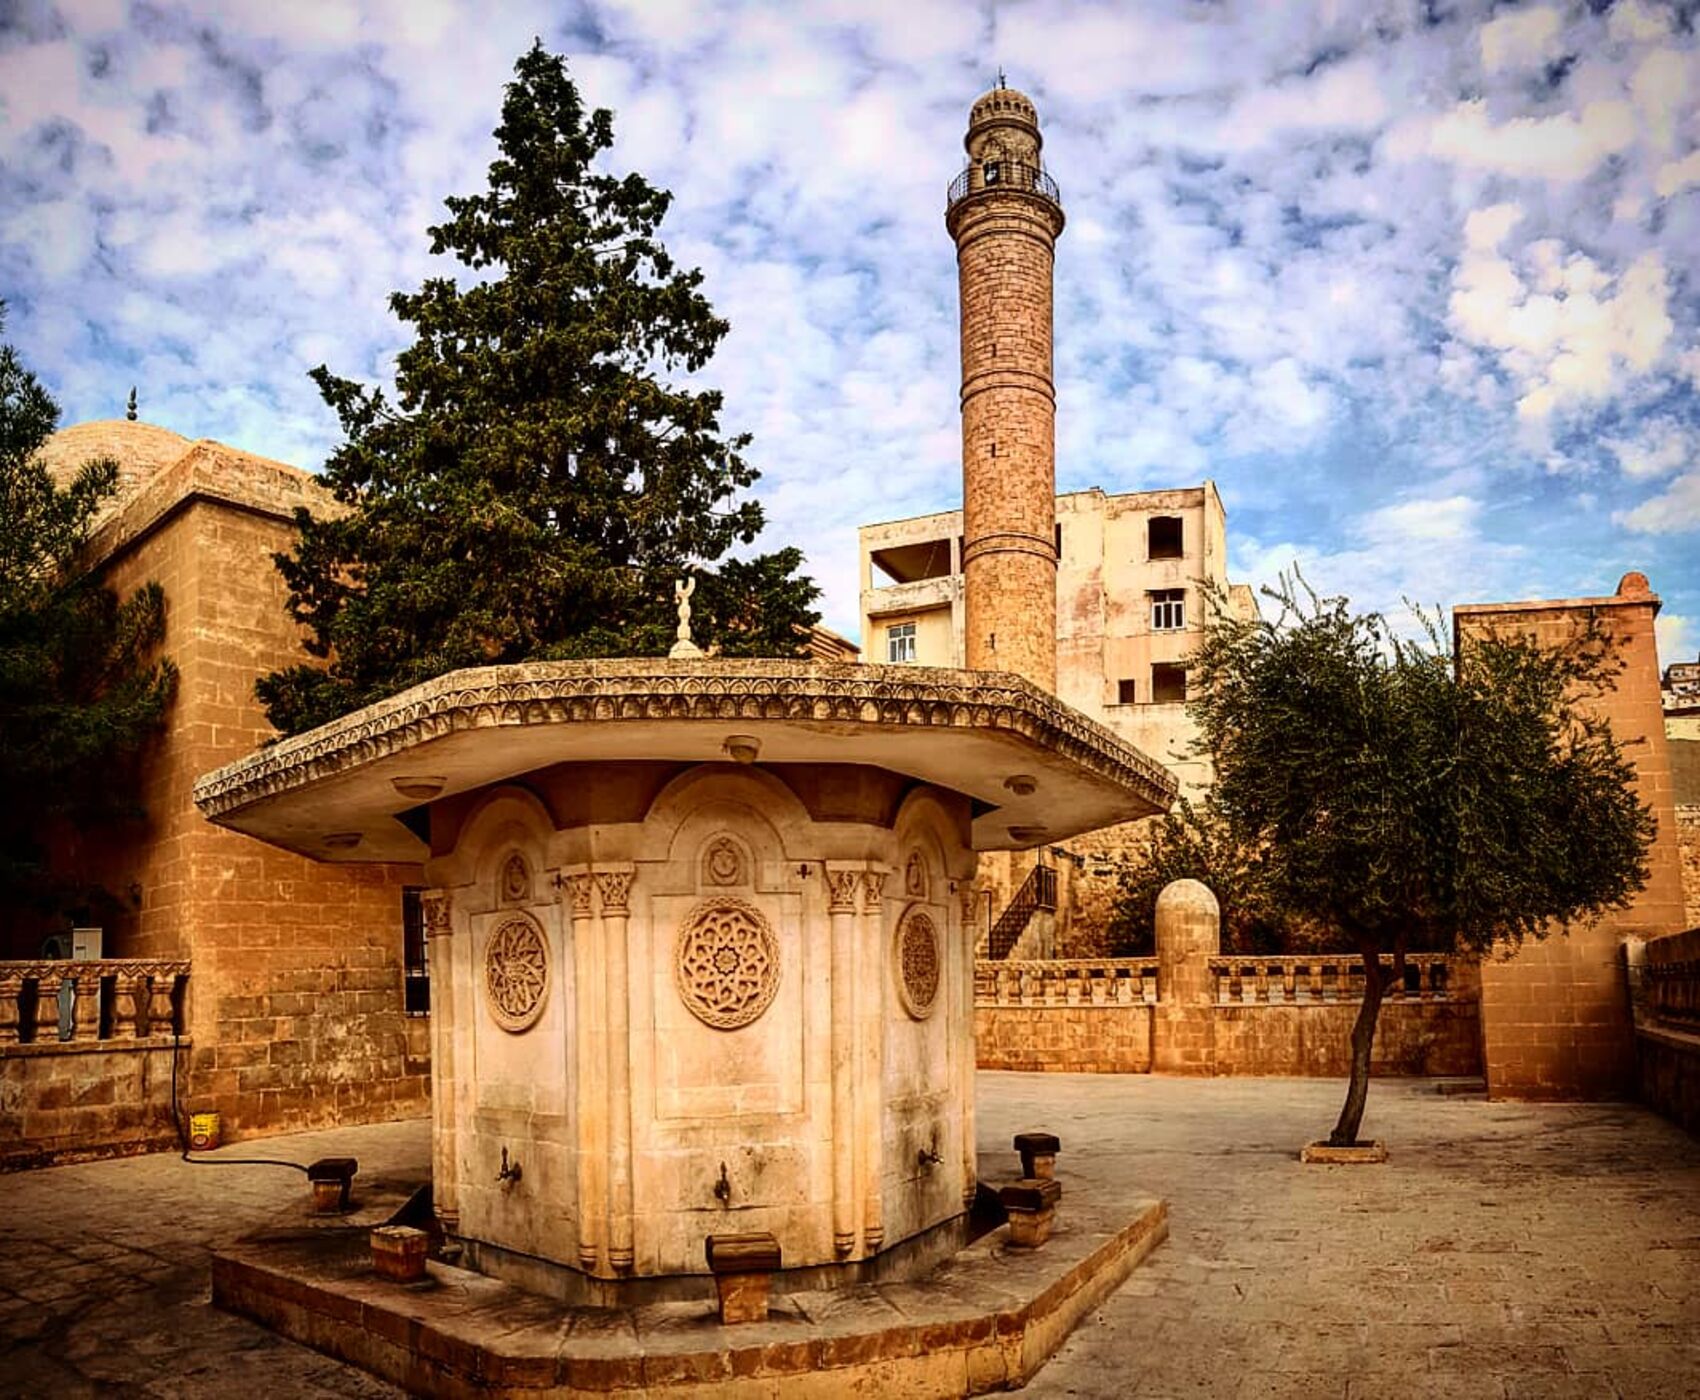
column 1134, row 578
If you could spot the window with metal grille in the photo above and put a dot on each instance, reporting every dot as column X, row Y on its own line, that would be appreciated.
column 416, row 974
column 900, row 642
column 1168, row 610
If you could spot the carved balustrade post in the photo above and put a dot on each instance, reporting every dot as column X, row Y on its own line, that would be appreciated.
column 47, row 1006
column 160, row 1016
column 124, row 987
column 85, row 1009
column 11, row 990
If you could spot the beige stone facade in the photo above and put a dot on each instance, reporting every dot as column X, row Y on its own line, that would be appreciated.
column 1555, row 1017
column 295, row 996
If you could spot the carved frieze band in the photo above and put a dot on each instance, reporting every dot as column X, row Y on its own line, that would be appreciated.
column 567, row 692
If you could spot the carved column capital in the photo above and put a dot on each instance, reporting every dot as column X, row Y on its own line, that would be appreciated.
column 616, row 888
column 575, row 889
column 435, row 906
column 873, row 888
column 842, row 889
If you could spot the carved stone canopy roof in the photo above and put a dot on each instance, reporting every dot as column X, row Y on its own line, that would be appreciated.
column 1038, row 771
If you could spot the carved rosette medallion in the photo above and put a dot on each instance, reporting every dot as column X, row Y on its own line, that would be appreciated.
column 516, row 973
column 918, row 963
column 726, row 963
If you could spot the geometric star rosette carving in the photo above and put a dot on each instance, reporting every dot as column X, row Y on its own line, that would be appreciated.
column 516, row 972
column 726, row 963
column 918, row 963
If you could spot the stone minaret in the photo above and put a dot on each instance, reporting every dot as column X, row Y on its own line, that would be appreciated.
column 1004, row 214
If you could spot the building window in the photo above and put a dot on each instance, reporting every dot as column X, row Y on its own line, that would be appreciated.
column 1168, row 610
column 416, row 975
column 1163, row 537
column 900, row 642
column 1168, row 684
column 1127, row 693
column 993, row 172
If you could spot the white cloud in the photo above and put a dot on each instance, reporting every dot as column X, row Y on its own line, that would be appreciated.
column 1658, row 448
column 1521, row 39
column 1421, row 522
column 1674, row 511
column 1633, row 21
column 1678, row 636
column 1566, row 147
column 1566, row 332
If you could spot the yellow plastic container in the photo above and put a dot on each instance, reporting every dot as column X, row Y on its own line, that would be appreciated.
column 203, row 1132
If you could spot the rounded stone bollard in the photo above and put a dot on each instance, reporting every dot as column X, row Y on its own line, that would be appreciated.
column 1189, row 934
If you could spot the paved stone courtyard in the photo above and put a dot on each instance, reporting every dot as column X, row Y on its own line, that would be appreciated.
column 1505, row 1251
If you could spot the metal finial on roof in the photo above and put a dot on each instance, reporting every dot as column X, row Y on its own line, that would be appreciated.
column 130, row 408
column 1001, row 82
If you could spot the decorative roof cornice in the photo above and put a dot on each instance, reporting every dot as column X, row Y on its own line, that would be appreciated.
column 645, row 690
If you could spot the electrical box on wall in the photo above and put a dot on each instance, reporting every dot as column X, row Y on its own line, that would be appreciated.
column 85, row 943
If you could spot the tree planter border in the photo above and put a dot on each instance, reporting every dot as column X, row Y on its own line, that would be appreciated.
column 1359, row 1154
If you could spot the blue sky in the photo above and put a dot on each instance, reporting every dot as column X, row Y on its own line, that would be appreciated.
column 1417, row 284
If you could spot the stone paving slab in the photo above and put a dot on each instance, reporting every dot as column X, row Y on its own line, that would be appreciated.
column 1497, row 1233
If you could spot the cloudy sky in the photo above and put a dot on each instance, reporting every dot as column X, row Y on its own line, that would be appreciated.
column 1418, row 284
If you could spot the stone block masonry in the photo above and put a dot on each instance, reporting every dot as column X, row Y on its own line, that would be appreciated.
column 295, row 1009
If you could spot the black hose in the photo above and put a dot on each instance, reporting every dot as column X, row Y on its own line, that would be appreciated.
column 183, row 1133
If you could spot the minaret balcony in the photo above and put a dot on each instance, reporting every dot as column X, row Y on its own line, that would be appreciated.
column 989, row 176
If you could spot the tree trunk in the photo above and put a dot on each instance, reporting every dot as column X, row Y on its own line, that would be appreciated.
column 1363, row 1039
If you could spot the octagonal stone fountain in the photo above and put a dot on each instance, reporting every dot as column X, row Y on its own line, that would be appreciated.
column 700, row 943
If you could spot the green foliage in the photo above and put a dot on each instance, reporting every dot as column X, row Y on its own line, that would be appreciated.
column 1194, row 843
column 1411, row 802
column 1409, row 799
column 535, row 488
column 79, row 695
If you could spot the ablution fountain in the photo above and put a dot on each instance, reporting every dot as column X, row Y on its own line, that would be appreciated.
column 701, row 937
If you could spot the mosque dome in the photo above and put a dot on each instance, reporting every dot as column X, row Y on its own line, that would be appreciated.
column 140, row 449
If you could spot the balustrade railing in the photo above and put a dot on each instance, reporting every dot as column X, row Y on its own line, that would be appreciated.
column 59, row 1001
column 1066, row 982
column 1317, row 978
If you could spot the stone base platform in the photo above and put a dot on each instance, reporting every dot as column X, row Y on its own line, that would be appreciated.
column 986, row 1319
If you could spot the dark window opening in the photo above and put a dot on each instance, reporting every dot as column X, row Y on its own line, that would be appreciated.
column 416, row 974
column 1163, row 537
column 1168, row 684
column 993, row 172
column 1127, row 693
column 1059, row 539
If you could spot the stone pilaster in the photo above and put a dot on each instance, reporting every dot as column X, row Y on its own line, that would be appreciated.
column 436, row 907
column 843, row 887
column 576, row 889
column 870, row 1052
column 615, row 887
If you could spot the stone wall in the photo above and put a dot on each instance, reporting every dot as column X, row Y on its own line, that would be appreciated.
column 296, row 1003
column 1555, row 1016
column 1191, row 1011
column 1688, row 839
column 69, row 1102
column 1667, row 1030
